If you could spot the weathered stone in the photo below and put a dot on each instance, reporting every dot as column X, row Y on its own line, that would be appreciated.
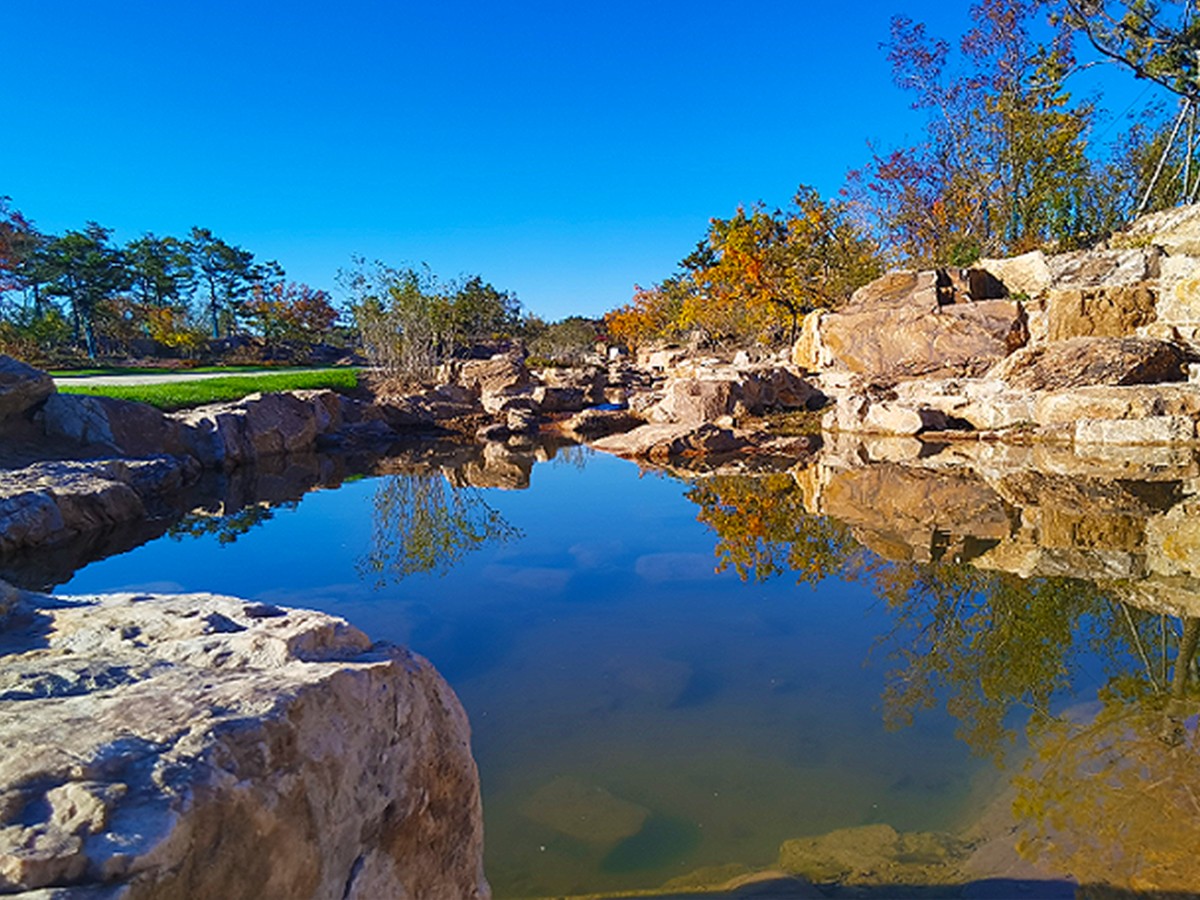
column 560, row 399
column 585, row 812
column 286, row 758
column 1175, row 230
column 1092, row 361
column 1103, row 268
column 809, row 353
column 906, row 341
column 692, row 401
column 502, row 372
column 598, row 422
column 1107, row 311
column 119, row 426
column 892, row 418
column 666, row 440
column 1026, row 275
column 21, row 387
column 51, row 502
column 1150, row 430
column 902, row 288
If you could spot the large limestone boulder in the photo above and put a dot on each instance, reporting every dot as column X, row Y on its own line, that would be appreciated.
column 665, row 441
column 205, row 747
column 21, row 387
column 501, row 374
column 1026, row 275
column 891, row 343
column 225, row 435
column 714, row 393
column 913, row 324
column 1176, row 231
column 48, row 503
column 118, row 426
column 1092, row 361
column 1080, row 269
column 1106, row 311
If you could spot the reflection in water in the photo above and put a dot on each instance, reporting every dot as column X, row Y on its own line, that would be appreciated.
column 422, row 524
column 1109, row 792
column 1112, row 795
column 1039, row 605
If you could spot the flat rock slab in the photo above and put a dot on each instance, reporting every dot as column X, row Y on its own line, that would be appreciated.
column 205, row 747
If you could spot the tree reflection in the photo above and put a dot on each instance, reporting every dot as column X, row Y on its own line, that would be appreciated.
column 1114, row 797
column 420, row 523
column 226, row 527
column 764, row 530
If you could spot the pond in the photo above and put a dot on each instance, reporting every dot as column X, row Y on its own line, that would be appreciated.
column 670, row 678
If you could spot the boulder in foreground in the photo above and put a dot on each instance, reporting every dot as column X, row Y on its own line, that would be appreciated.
column 205, row 747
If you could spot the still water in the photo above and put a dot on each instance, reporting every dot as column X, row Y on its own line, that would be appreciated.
column 666, row 676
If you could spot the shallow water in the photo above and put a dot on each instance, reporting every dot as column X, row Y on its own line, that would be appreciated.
column 636, row 713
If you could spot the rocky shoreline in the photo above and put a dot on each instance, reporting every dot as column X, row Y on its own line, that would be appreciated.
column 1036, row 416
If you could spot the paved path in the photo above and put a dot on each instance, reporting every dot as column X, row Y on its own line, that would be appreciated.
column 166, row 378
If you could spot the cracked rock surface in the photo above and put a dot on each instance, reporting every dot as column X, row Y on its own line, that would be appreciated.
column 206, row 747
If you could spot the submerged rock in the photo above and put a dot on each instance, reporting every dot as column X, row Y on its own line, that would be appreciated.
column 147, row 753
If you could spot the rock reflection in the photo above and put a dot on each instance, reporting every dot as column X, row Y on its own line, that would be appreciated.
column 428, row 509
column 1013, row 573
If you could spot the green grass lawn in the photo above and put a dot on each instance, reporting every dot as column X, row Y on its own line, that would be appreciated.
column 186, row 394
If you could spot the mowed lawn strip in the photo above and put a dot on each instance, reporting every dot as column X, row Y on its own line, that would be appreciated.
column 186, row 394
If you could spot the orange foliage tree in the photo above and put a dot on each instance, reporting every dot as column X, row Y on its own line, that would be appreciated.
column 755, row 274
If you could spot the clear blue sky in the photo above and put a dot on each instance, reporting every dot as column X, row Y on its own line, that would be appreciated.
column 564, row 150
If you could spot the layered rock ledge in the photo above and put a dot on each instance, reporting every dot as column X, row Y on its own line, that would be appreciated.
column 206, row 747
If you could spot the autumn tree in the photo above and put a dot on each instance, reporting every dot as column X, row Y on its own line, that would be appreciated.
column 755, row 274
column 764, row 529
column 1004, row 167
column 288, row 311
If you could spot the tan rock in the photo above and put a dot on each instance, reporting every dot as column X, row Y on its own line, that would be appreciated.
column 1027, row 274
column 1107, row 311
column 1150, row 430
column 230, row 751
column 21, row 387
column 1175, row 230
column 898, row 342
column 1092, row 361
column 1104, row 268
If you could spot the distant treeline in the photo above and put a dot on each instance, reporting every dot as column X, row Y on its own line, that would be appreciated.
column 79, row 292
column 1010, row 162
column 79, row 289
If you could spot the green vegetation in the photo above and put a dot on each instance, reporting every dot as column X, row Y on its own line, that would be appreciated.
column 79, row 291
column 186, row 394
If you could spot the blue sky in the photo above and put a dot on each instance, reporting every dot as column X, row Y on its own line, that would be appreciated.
column 563, row 150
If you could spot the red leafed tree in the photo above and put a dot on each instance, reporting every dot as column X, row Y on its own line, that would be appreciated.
column 289, row 312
